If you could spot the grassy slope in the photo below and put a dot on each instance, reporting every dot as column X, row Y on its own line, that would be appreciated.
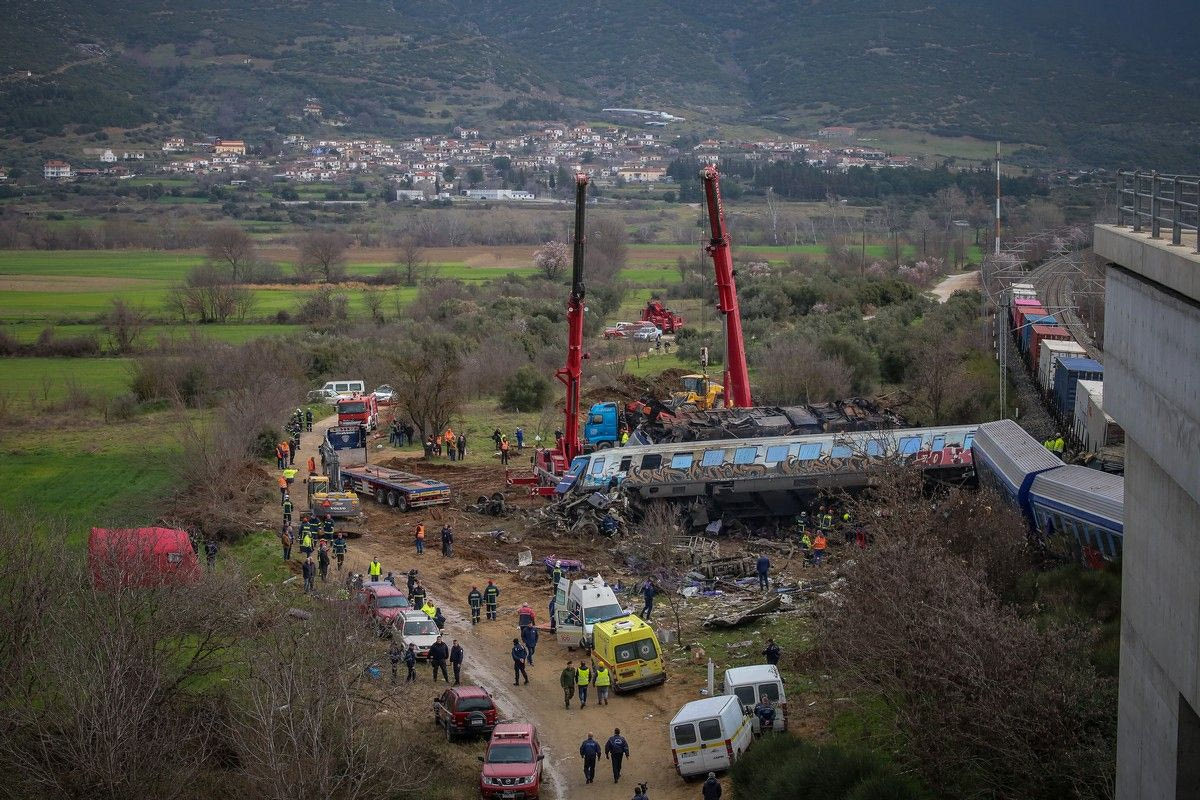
column 46, row 379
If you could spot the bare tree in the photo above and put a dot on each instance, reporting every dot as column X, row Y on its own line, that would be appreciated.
column 125, row 323
column 552, row 259
column 325, row 252
column 428, row 380
column 800, row 372
column 987, row 702
column 607, row 249
column 230, row 246
column 935, row 371
column 373, row 301
column 663, row 565
column 410, row 255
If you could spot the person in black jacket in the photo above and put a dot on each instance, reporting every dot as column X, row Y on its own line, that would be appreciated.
column 519, row 654
column 309, row 570
column 616, row 749
column 456, row 660
column 475, row 601
column 410, row 661
column 711, row 790
column 438, row 655
column 590, row 752
column 771, row 653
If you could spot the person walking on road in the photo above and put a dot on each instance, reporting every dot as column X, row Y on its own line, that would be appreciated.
column 603, row 681
column 590, row 752
column 308, row 420
column 491, row 596
column 711, row 790
column 410, row 661
column 339, row 550
column 763, row 565
column 583, row 679
column 412, row 580
column 647, row 600
column 772, row 652
column 439, row 654
column 447, row 541
column 519, row 654
column 287, row 508
column 616, row 749
column 283, row 488
column 525, row 616
column 566, row 679
column 286, row 539
column 309, row 570
column 416, row 598
column 420, row 538
column 456, row 660
column 323, row 560
column 312, row 466
column 475, row 601
column 529, row 634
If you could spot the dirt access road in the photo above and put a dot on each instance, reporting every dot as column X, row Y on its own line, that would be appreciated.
column 642, row 716
column 953, row 282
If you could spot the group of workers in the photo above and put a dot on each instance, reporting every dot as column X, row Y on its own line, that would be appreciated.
column 578, row 680
column 1055, row 444
column 455, row 447
column 616, row 750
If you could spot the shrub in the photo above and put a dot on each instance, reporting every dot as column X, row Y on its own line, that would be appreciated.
column 525, row 390
column 122, row 407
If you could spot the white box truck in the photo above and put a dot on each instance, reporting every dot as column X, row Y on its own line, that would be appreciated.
column 709, row 735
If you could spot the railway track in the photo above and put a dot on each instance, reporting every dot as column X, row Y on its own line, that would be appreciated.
column 1055, row 284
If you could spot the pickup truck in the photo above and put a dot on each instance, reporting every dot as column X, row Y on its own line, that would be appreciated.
column 394, row 487
column 465, row 711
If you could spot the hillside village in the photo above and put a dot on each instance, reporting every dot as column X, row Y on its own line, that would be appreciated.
column 464, row 163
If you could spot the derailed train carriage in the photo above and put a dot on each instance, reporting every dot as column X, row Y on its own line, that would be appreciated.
column 769, row 476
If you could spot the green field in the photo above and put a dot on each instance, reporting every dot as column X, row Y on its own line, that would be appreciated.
column 47, row 380
column 233, row 333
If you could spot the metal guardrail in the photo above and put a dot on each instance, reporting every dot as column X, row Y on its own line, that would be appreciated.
column 1150, row 199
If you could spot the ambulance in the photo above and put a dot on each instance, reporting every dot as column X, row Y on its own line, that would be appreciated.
column 630, row 650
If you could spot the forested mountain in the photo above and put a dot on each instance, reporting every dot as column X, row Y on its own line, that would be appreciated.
column 1099, row 82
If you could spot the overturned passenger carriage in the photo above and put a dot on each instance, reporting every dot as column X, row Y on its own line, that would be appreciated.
column 769, row 476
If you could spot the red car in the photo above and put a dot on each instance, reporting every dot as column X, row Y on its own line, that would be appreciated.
column 382, row 602
column 464, row 711
column 512, row 768
column 620, row 330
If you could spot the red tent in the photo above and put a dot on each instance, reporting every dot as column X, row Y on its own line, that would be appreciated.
column 141, row 557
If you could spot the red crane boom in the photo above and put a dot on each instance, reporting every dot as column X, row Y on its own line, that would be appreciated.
column 737, row 377
column 568, row 445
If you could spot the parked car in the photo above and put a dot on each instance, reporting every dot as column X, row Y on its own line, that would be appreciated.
column 512, row 768
column 382, row 602
column 418, row 630
column 620, row 330
column 464, row 711
column 647, row 333
column 384, row 394
column 321, row 396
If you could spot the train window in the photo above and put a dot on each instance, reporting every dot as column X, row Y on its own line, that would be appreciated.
column 777, row 453
column 809, row 452
column 712, row 458
column 967, row 440
column 840, row 451
column 681, row 460
column 745, row 455
column 598, row 465
column 874, row 448
column 652, row 461
column 625, row 462
column 939, row 444
column 910, row 445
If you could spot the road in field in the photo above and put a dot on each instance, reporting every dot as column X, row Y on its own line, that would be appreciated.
column 641, row 716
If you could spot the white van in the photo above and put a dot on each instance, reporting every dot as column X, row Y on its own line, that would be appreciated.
column 749, row 684
column 578, row 605
column 346, row 388
column 709, row 735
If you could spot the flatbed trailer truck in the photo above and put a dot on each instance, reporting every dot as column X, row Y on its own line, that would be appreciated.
column 393, row 487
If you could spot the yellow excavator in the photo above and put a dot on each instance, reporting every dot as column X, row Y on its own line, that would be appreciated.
column 698, row 393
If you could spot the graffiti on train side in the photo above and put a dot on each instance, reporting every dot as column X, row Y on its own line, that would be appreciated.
column 824, row 465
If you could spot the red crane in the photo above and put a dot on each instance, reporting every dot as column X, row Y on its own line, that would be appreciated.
column 568, row 445
column 737, row 377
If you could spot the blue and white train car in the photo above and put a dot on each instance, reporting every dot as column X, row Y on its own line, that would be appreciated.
column 1085, row 504
column 770, row 476
column 1009, row 458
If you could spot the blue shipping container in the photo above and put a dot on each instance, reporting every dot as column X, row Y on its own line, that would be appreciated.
column 1027, row 328
column 1067, row 374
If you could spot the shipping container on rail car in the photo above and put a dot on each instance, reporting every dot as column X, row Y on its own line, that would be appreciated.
column 1009, row 458
column 1066, row 381
column 1042, row 333
column 1032, row 321
column 1051, row 352
column 1020, row 303
column 1083, row 400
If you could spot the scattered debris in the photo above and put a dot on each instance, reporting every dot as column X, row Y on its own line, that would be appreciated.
column 747, row 615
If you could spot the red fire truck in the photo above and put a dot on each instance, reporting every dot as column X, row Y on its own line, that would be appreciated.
column 358, row 409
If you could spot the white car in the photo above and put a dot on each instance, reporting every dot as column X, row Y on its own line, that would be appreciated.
column 419, row 630
column 385, row 394
column 647, row 333
column 328, row 396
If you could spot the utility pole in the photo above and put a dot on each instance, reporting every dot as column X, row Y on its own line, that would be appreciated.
column 997, row 197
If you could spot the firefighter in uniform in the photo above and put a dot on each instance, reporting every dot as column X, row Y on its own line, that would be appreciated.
column 491, row 595
column 475, row 600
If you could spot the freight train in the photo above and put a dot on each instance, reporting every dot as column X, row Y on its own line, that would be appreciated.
column 1074, row 511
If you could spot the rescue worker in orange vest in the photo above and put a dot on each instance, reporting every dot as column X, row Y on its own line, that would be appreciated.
column 420, row 538
column 283, row 488
column 504, row 451
column 312, row 466
column 819, row 545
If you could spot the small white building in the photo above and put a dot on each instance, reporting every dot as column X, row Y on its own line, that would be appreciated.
column 56, row 170
column 497, row 194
